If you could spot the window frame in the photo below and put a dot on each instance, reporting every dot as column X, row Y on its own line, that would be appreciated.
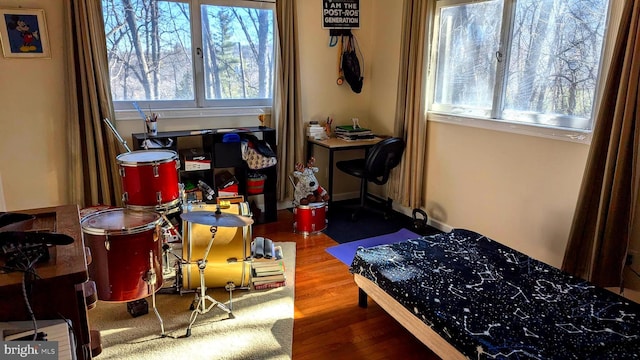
column 447, row 114
column 200, row 107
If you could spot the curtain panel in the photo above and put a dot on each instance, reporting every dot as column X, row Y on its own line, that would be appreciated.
column 602, row 224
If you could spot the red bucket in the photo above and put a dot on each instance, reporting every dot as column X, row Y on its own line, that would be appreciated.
column 255, row 185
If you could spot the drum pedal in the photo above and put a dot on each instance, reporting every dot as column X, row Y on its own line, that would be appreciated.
column 138, row 307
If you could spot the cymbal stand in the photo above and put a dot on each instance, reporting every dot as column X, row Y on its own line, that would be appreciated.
column 150, row 279
column 199, row 303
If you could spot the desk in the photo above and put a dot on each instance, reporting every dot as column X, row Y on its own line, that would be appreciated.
column 57, row 293
column 337, row 144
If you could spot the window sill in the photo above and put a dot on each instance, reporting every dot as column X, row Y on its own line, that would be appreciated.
column 582, row 137
column 195, row 113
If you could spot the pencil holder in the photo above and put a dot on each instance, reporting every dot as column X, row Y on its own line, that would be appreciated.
column 152, row 128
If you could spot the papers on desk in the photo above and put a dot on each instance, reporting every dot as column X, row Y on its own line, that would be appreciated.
column 349, row 132
column 355, row 137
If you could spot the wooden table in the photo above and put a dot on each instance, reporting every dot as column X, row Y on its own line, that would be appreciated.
column 58, row 293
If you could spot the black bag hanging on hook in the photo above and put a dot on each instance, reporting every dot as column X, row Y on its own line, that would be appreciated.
column 351, row 64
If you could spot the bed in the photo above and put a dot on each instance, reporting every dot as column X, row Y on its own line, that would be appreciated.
column 466, row 296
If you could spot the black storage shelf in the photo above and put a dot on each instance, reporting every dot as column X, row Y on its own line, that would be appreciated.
column 224, row 155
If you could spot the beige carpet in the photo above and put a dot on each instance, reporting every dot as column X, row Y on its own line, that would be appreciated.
column 262, row 327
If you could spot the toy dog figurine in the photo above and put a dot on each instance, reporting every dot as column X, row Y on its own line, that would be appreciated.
column 307, row 189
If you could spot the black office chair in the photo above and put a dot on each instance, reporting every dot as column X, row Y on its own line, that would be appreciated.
column 375, row 168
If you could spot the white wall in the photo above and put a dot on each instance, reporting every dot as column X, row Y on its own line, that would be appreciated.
column 379, row 40
column 33, row 157
column 519, row 190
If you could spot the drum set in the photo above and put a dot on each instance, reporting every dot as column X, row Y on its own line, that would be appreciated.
column 132, row 247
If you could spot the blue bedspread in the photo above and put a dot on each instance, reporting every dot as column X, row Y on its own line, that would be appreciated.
column 492, row 302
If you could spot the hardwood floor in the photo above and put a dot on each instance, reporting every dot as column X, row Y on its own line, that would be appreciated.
column 328, row 324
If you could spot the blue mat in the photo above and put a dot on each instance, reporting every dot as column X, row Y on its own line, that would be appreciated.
column 345, row 252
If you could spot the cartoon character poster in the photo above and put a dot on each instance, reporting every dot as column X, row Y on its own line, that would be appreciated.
column 23, row 33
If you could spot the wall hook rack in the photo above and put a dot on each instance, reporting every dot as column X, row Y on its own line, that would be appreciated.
column 339, row 32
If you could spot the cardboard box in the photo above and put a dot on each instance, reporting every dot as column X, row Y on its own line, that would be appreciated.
column 195, row 159
column 231, row 190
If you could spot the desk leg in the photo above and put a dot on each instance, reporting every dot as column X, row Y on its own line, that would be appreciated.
column 330, row 180
column 310, row 150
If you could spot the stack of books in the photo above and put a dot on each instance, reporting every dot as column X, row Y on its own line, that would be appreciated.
column 267, row 267
column 268, row 273
column 316, row 131
column 349, row 132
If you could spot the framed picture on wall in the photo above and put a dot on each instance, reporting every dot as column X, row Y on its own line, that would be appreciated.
column 23, row 33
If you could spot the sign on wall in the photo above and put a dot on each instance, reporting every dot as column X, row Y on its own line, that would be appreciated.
column 341, row 14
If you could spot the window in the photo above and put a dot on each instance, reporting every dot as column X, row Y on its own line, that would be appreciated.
column 528, row 61
column 169, row 54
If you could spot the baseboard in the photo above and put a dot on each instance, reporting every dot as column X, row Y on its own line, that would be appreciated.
column 440, row 225
column 346, row 196
column 283, row 205
column 444, row 227
column 431, row 221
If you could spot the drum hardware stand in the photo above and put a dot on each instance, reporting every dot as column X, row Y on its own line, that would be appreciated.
column 164, row 216
column 166, row 248
column 199, row 303
column 115, row 132
column 177, row 287
column 150, row 279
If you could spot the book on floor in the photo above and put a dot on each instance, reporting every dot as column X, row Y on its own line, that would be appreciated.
column 261, row 273
column 270, row 285
column 272, row 266
column 258, row 280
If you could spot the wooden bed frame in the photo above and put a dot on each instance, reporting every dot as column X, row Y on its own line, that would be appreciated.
column 419, row 329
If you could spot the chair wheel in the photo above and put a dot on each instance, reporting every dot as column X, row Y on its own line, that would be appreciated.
column 192, row 307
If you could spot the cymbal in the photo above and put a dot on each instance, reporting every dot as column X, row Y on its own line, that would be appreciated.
column 215, row 218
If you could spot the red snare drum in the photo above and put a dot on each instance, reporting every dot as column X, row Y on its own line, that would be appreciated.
column 310, row 219
column 125, row 245
column 149, row 179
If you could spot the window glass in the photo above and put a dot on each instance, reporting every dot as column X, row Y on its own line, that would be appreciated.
column 149, row 49
column 554, row 61
column 237, row 52
column 156, row 60
column 545, row 72
column 466, row 73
